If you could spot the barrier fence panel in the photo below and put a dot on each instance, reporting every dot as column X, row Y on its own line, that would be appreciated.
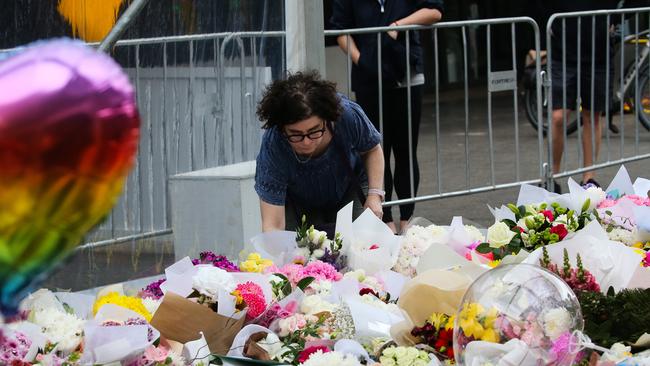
column 487, row 153
column 603, row 57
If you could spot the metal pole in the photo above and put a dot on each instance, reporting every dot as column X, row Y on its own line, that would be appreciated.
column 122, row 24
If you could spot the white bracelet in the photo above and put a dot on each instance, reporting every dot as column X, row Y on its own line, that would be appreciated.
column 379, row 192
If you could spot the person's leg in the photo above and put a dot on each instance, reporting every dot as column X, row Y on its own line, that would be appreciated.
column 590, row 149
column 369, row 102
column 558, row 137
column 401, row 149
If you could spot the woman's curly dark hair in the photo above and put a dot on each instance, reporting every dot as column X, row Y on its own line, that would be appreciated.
column 300, row 96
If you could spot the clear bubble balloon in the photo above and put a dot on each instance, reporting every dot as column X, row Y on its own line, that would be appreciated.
column 517, row 314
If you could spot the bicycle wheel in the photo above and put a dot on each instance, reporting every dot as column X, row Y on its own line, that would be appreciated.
column 643, row 101
column 530, row 105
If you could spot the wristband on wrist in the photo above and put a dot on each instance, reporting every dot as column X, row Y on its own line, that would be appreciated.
column 379, row 192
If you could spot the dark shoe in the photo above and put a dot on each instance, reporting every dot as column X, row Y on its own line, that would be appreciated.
column 556, row 187
column 613, row 127
column 590, row 183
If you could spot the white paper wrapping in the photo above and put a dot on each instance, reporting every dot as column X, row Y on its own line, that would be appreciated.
column 114, row 343
column 365, row 231
column 611, row 263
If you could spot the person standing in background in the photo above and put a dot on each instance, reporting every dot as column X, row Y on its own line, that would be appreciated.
column 363, row 50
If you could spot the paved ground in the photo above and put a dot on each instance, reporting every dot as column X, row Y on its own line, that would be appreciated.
column 149, row 257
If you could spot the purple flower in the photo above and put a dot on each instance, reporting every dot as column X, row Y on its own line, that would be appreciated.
column 153, row 290
column 13, row 347
column 219, row 261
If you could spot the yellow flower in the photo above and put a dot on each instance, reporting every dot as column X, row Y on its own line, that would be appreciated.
column 255, row 263
column 450, row 322
column 239, row 299
column 494, row 263
column 131, row 303
column 438, row 319
column 471, row 327
column 637, row 245
column 489, row 335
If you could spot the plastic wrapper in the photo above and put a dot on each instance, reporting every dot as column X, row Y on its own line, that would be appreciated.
column 368, row 243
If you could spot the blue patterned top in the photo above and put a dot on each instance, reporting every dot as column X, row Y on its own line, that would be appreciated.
column 321, row 181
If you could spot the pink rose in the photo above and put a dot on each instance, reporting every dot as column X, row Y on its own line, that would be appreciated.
column 156, row 354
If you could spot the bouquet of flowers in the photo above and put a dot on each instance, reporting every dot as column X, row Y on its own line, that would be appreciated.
column 437, row 333
column 313, row 245
column 534, row 226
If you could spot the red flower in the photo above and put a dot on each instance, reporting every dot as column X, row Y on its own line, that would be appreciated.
column 366, row 291
column 549, row 215
column 518, row 228
column 373, row 247
column 560, row 230
column 304, row 355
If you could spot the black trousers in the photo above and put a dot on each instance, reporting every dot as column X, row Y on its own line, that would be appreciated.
column 323, row 218
column 396, row 140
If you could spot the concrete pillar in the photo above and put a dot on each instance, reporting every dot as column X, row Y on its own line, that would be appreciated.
column 305, row 41
column 214, row 209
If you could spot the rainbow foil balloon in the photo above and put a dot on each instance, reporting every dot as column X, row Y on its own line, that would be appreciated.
column 69, row 131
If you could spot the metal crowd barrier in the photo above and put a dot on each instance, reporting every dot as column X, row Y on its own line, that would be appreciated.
column 626, row 85
column 198, row 111
column 498, row 81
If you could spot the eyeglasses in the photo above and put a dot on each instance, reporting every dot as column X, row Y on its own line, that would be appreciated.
column 312, row 135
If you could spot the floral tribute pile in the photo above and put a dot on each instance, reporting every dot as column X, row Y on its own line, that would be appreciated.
column 364, row 298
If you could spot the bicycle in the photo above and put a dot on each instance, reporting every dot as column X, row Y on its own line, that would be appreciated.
column 625, row 94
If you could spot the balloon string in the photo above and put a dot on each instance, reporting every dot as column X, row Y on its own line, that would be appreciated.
column 580, row 341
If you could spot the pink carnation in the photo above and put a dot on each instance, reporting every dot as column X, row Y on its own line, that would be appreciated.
column 560, row 348
column 321, row 271
column 606, row 203
column 253, row 296
column 646, row 260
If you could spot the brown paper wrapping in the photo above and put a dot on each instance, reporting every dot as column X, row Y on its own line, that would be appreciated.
column 435, row 290
column 181, row 320
column 254, row 350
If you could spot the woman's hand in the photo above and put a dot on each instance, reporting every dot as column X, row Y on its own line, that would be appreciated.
column 393, row 34
column 373, row 202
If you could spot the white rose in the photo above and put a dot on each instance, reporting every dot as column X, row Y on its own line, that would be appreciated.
column 556, row 322
column 313, row 304
column 302, row 252
column 617, row 353
column 209, row 281
column 499, row 235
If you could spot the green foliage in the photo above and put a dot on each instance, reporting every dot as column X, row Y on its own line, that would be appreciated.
column 615, row 317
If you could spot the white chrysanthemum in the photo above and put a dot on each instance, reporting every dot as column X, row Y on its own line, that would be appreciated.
column 624, row 236
column 319, row 358
column 209, row 281
column 66, row 330
column 556, row 322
